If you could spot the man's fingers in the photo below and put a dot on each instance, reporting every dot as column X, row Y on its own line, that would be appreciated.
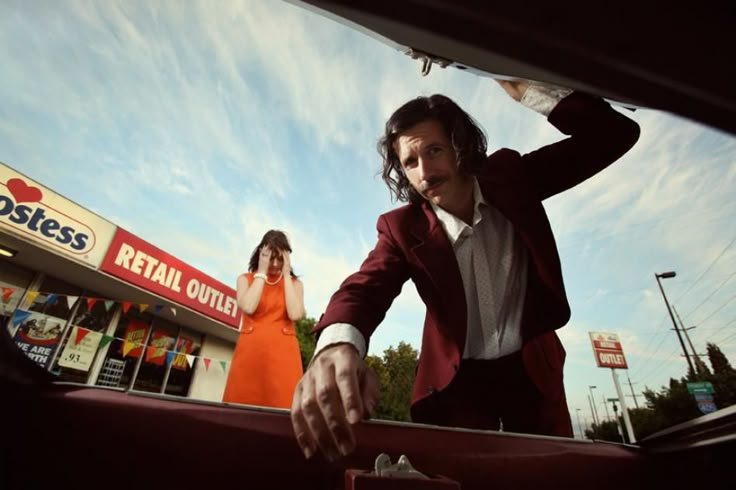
column 370, row 390
column 349, row 385
column 301, row 428
column 329, row 392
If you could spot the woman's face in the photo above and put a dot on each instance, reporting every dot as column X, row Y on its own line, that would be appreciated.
column 276, row 263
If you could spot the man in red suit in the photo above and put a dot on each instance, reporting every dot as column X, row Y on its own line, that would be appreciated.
column 475, row 240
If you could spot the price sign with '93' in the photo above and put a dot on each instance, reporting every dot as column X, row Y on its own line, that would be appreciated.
column 80, row 349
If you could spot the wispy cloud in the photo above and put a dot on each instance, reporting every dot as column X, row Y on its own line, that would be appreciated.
column 199, row 126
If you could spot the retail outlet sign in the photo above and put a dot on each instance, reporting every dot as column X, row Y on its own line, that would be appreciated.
column 607, row 350
column 138, row 262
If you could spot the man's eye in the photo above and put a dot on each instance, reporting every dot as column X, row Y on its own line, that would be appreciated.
column 435, row 150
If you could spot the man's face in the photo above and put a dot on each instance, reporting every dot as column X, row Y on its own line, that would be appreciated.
column 428, row 161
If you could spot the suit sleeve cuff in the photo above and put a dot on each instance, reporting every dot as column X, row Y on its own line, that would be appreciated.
column 340, row 333
column 543, row 98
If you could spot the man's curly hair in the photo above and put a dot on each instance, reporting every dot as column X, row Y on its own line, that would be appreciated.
column 464, row 133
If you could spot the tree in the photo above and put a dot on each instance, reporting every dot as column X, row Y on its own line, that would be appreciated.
column 672, row 405
column 306, row 340
column 723, row 377
column 607, row 430
column 395, row 371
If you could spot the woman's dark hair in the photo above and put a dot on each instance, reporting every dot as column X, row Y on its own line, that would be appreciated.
column 275, row 240
column 464, row 133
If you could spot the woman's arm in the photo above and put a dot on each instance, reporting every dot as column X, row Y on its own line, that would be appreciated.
column 293, row 291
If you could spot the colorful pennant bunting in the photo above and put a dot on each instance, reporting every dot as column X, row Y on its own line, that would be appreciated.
column 6, row 294
column 31, row 295
column 81, row 332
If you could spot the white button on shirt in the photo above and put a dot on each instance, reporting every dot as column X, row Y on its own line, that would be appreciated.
column 493, row 268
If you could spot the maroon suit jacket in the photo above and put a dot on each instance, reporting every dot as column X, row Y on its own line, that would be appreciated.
column 413, row 245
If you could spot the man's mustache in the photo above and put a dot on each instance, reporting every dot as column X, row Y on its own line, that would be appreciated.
column 430, row 182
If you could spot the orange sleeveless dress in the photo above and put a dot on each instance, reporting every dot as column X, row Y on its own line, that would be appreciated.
column 266, row 364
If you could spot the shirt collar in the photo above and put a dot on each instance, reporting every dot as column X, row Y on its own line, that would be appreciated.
column 454, row 226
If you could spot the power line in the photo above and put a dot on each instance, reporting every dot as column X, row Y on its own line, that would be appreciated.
column 718, row 309
column 710, row 295
column 730, row 244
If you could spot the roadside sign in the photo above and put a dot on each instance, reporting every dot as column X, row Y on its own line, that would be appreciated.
column 700, row 387
column 607, row 350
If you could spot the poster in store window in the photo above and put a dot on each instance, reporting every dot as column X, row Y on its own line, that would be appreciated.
column 184, row 346
column 161, row 342
column 134, row 337
column 37, row 335
column 80, row 349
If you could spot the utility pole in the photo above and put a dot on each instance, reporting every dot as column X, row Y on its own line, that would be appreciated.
column 633, row 395
column 592, row 413
column 698, row 361
column 667, row 275
column 592, row 402
column 580, row 427
column 605, row 404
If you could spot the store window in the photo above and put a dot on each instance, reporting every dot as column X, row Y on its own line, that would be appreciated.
column 179, row 376
column 131, row 335
column 14, row 281
column 84, row 338
column 40, row 327
column 152, row 353
column 153, row 366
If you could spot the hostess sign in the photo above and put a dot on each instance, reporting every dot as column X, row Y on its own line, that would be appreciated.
column 144, row 265
column 607, row 350
column 33, row 212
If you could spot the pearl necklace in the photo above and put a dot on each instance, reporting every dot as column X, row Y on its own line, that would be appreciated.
column 281, row 274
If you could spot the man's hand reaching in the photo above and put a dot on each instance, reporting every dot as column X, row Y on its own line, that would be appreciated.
column 515, row 88
column 337, row 391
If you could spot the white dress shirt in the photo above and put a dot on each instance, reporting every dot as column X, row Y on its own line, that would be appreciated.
column 493, row 266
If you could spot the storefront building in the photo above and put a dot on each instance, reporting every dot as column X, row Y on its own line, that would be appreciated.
column 95, row 304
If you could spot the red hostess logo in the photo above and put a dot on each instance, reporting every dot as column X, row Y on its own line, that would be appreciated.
column 23, row 209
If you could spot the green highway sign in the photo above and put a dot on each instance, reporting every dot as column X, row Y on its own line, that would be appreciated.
column 700, row 387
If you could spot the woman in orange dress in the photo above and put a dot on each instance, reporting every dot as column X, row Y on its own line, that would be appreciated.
column 266, row 364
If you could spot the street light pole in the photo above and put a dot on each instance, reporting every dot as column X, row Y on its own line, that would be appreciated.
column 580, row 427
column 592, row 401
column 592, row 413
column 667, row 275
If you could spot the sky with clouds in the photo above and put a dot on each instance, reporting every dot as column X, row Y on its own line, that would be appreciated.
column 198, row 126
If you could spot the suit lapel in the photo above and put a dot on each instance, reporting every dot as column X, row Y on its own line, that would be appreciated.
column 433, row 251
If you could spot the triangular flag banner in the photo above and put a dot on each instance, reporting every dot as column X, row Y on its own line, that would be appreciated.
column 224, row 366
column 157, row 309
column 169, row 356
column 106, row 339
column 90, row 303
column 70, row 300
column 51, row 298
column 150, row 352
column 173, row 310
column 142, row 307
column 32, row 296
column 6, row 294
column 190, row 359
column 81, row 332
column 108, row 304
column 19, row 316
column 127, row 347
column 206, row 363
column 126, row 306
